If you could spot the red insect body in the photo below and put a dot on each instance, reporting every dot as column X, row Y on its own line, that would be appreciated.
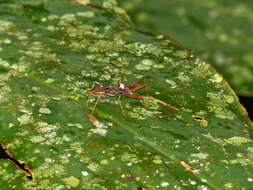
column 104, row 91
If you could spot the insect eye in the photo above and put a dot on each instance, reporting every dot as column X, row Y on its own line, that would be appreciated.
column 121, row 86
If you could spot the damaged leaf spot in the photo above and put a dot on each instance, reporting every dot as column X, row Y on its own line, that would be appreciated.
column 188, row 167
column 6, row 154
column 200, row 119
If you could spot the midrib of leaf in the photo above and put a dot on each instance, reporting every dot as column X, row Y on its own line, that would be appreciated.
column 171, row 155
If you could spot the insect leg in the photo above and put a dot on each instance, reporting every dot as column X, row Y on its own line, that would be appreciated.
column 95, row 105
column 139, row 97
column 95, row 82
column 133, row 84
column 121, row 107
column 139, row 87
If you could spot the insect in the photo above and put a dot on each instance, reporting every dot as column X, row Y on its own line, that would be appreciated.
column 104, row 91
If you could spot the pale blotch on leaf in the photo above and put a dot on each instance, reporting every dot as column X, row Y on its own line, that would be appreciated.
column 181, row 53
column 157, row 159
column 160, row 37
column 4, row 25
column 78, row 125
column 167, row 59
column 106, row 76
column 229, row 99
column 104, row 162
column 109, row 4
column 21, row 67
column 64, row 159
column 237, row 141
column 6, row 89
column 241, row 159
column 49, row 80
column 44, row 127
column 101, row 129
column 203, row 187
column 51, row 28
column 85, row 173
column 216, row 78
column 217, row 140
column 77, row 147
column 37, row 139
column 158, row 66
column 229, row 186
column 147, row 62
column 140, row 49
column 6, row 41
column 193, row 182
column 72, row 181
column 67, row 18
column 200, row 155
column 108, row 27
column 126, row 157
column 22, row 36
column 11, row 125
column 57, row 97
column 224, row 113
column 218, row 105
column 88, row 14
column 171, row 83
column 93, row 166
column 25, row 119
column 45, row 110
column 183, row 77
column 52, row 17
column 44, row 19
column 144, row 65
column 4, row 63
column 34, row 88
column 164, row 184
column 250, row 179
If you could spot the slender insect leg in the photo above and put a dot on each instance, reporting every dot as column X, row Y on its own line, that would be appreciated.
column 95, row 82
column 95, row 105
column 121, row 107
column 133, row 84
column 139, row 97
column 147, row 92
column 138, row 87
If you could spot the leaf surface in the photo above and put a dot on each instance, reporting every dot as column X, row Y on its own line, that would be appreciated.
column 193, row 135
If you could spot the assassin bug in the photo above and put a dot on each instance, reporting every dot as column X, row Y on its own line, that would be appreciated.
column 104, row 91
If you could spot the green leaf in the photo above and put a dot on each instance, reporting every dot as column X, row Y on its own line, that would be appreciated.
column 218, row 31
column 193, row 135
